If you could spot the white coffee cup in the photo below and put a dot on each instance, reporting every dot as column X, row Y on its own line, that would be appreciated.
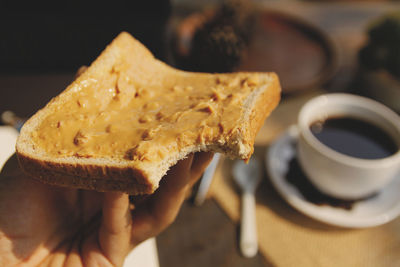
column 337, row 174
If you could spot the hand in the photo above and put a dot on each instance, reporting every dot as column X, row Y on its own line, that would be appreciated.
column 52, row 226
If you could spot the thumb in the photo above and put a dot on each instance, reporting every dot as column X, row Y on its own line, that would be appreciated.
column 116, row 226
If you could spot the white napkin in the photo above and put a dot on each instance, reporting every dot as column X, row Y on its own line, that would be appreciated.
column 144, row 255
column 8, row 137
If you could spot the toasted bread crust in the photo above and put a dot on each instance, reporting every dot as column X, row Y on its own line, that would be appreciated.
column 92, row 177
column 103, row 175
column 264, row 105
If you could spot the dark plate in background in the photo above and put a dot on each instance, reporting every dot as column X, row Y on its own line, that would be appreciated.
column 303, row 56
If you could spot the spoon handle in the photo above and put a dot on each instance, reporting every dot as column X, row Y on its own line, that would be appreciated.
column 248, row 231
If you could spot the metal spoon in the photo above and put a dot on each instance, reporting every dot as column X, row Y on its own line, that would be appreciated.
column 206, row 180
column 248, row 176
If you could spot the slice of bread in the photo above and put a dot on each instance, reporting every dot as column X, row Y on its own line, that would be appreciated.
column 129, row 117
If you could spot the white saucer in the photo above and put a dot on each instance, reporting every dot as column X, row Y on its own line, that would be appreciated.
column 366, row 213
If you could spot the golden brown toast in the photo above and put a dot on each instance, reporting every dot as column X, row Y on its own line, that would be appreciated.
column 129, row 117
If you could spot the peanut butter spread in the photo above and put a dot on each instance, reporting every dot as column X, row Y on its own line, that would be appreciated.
column 121, row 116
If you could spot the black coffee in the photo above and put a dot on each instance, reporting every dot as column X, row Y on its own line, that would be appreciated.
column 354, row 137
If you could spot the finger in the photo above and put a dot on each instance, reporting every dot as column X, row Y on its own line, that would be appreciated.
column 178, row 176
column 116, row 226
column 11, row 167
column 199, row 164
column 172, row 190
column 163, row 206
column 91, row 203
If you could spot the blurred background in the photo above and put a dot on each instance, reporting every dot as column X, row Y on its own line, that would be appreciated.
column 60, row 36
column 309, row 43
